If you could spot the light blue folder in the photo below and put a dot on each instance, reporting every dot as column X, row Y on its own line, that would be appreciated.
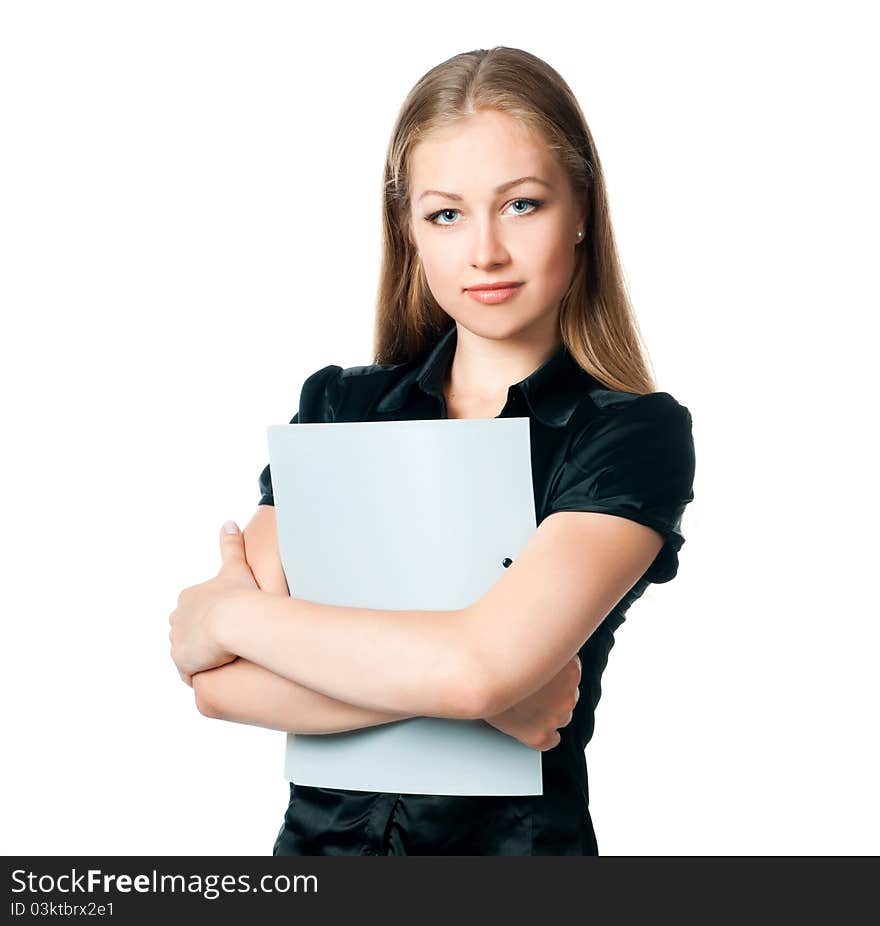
column 405, row 515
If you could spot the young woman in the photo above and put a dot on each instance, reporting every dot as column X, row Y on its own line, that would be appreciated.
column 501, row 296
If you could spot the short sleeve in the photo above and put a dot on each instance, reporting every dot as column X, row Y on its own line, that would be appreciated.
column 316, row 404
column 267, row 497
column 636, row 461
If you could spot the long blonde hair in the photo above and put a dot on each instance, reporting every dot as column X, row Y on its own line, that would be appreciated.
column 596, row 319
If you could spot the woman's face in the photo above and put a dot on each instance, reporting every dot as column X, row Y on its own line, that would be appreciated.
column 472, row 233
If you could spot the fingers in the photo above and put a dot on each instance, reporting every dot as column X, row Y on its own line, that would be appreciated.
column 232, row 544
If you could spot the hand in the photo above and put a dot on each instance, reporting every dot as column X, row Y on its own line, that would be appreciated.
column 193, row 646
column 535, row 721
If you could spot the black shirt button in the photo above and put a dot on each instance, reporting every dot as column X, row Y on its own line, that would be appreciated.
column 506, row 562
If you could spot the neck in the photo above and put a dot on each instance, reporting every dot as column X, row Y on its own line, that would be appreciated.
column 483, row 369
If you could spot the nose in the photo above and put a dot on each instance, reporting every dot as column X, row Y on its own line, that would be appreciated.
column 487, row 249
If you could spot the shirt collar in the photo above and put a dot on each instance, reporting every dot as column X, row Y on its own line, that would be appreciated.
column 553, row 391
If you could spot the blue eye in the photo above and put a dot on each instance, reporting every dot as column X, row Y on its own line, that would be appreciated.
column 528, row 202
column 431, row 218
column 534, row 203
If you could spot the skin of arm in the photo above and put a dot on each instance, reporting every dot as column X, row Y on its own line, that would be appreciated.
column 467, row 664
column 248, row 693
column 244, row 692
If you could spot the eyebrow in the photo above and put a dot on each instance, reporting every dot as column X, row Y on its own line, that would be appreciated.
column 498, row 189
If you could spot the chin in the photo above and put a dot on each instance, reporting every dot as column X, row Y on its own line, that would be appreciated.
column 498, row 322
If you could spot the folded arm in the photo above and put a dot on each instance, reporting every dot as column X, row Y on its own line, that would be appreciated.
column 469, row 663
column 243, row 692
column 575, row 568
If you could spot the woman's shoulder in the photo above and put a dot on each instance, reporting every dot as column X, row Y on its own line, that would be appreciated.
column 336, row 393
column 633, row 429
column 633, row 457
column 612, row 409
column 612, row 402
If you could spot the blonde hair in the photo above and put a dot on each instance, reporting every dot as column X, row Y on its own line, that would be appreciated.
column 596, row 319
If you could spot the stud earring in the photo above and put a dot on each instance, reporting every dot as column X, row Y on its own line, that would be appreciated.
column 580, row 235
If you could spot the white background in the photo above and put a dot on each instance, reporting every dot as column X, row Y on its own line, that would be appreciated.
column 189, row 225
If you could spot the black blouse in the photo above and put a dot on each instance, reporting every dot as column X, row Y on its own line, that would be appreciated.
column 593, row 449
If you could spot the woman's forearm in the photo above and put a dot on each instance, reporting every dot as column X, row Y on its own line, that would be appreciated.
column 244, row 692
column 410, row 662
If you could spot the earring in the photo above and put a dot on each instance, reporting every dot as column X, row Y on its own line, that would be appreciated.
column 580, row 235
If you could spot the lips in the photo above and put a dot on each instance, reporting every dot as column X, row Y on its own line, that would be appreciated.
column 494, row 287
column 497, row 292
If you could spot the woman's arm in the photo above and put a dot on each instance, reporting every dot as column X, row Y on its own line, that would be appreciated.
column 468, row 663
column 412, row 661
column 244, row 692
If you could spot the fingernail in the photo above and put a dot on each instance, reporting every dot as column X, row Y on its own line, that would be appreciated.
column 230, row 527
